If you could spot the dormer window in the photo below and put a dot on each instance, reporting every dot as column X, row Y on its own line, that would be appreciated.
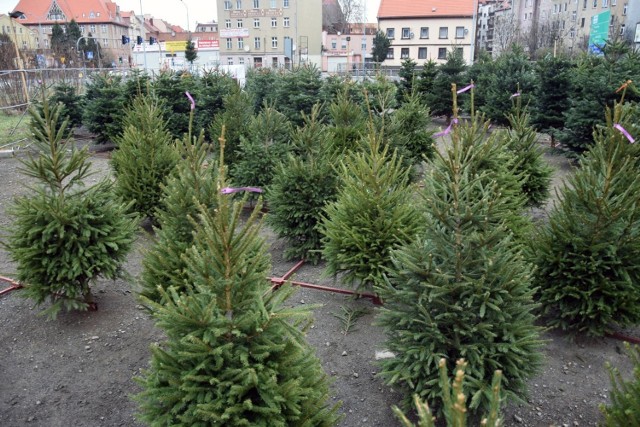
column 92, row 15
column 55, row 13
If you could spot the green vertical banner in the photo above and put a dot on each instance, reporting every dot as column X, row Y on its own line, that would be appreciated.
column 599, row 31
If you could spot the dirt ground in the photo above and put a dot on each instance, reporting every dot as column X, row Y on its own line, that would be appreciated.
column 78, row 369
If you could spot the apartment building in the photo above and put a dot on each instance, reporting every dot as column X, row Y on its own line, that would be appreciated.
column 428, row 29
column 270, row 33
column 100, row 18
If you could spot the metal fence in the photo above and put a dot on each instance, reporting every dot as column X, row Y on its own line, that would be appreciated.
column 19, row 87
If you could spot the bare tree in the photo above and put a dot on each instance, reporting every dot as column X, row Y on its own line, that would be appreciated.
column 352, row 10
column 506, row 32
column 338, row 14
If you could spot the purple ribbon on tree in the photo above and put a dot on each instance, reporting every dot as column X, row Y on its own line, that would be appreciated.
column 447, row 130
column 515, row 95
column 229, row 190
column 464, row 89
column 193, row 103
column 624, row 132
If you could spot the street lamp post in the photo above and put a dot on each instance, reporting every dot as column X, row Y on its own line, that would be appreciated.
column 186, row 7
column 14, row 15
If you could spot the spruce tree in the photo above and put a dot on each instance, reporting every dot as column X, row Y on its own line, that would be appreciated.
column 551, row 95
column 374, row 213
column 104, row 107
column 266, row 145
column 587, row 255
column 190, row 53
column 439, row 99
column 236, row 117
column 145, row 157
column 303, row 184
column 409, row 133
column 347, row 124
column 530, row 165
column 65, row 235
column 192, row 186
column 408, row 78
column 463, row 288
column 234, row 355
column 624, row 409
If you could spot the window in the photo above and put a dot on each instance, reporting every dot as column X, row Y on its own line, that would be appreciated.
column 582, row 23
column 390, row 53
column 46, row 43
column 240, row 24
column 238, row 4
column 334, row 44
column 624, row 9
column 227, row 23
column 614, row 2
column 595, row 3
column 82, row 29
column 574, row 15
column 444, row 33
column 92, row 28
column 605, row 3
column 256, row 42
column 227, row 4
column 424, row 32
column 256, row 4
column 240, row 43
column 364, row 44
column 404, row 53
column 257, row 62
column 274, row 62
column 406, row 33
column 343, row 43
column 55, row 14
column 565, row 7
column 459, row 32
column 391, row 33
column 584, row 4
column 622, row 29
column 229, row 61
column 442, row 53
column 272, row 4
column 459, row 52
column 274, row 42
column 555, row 8
column 105, row 42
column 241, row 61
column 229, row 43
column 422, row 53
column 285, row 22
column 103, row 27
column 256, row 22
column 285, row 3
column 274, row 22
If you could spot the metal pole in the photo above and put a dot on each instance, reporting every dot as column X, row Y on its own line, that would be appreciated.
column 19, row 63
column 144, row 41
column 186, row 7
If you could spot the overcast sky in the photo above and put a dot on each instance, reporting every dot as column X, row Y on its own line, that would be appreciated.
column 175, row 11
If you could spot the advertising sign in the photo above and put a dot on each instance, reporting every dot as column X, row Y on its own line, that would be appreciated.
column 176, row 46
column 208, row 44
column 229, row 33
column 599, row 31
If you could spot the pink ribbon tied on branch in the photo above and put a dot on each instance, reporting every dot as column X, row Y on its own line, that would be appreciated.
column 193, row 103
column 464, row 89
column 229, row 190
column 447, row 130
column 515, row 95
column 624, row 132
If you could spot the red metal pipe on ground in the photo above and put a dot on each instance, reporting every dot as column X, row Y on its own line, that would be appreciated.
column 14, row 285
column 622, row 337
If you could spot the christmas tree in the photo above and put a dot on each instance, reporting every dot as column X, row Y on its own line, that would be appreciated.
column 530, row 165
column 587, row 255
column 64, row 234
column 373, row 214
column 303, row 184
column 145, row 157
column 193, row 186
column 235, row 355
column 463, row 288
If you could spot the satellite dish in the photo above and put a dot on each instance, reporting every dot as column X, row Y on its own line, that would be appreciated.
column 247, row 49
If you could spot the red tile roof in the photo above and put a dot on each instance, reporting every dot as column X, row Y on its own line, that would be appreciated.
column 36, row 11
column 425, row 8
